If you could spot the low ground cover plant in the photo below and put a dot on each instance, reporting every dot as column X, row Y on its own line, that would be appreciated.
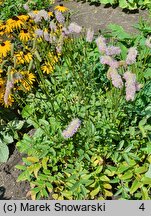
column 90, row 134
column 10, row 8
column 22, row 38
column 126, row 4
column 85, row 101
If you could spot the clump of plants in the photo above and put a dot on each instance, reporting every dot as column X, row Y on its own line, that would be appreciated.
column 90, row 120
column 126, row 4
column 9, row 8
column 28, row 53
column 85, row 105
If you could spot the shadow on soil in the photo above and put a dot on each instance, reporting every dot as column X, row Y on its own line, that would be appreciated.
column 97, row 4
column 2, row 194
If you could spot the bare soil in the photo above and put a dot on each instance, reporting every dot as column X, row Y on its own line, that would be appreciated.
column 10, row 189
column 99, row 16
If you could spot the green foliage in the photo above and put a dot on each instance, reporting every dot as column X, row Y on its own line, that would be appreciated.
column 9, row 128
column 9, row 8
column 110, row 154
column 126, row 4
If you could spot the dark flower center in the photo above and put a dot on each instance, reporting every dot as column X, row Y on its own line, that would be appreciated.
column 60, row 4
column 15, row 18
column 25, row 30
column 2, row 44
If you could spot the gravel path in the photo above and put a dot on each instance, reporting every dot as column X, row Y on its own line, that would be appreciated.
column 98, row 17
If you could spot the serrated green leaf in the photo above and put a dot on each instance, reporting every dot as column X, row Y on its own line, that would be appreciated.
column 140, row 170
column 144, row 192
column 75, row 186
column 146, row 180
column 127, row 175
column 20, row 167
column 148, row 173
column 125, row 156
column 95, row 192
column 24, row 176
column 104, row 178
column 136, row 184
column 99, row 169
column 67, row 194
column 44, row 162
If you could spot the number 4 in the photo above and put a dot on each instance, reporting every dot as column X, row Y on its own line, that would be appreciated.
column 142, row 207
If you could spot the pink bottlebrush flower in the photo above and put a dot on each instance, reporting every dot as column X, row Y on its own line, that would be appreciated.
column 32, row 14
column 59, row 17
column 101, row 44
column 131, row 85
column 43, row 14
column 59, row 48
column 52, row 26
column 9, row 86
column 46, row 36
column 89, row 36
column 113, row 50
column 72, row 128
column 37, row 18
column 138, row 86
column 39, row 32
column 131, row 56
column 65, row 31
column 115, row 77
column 148, row 42
column 74, row 28
column 26, row 7
column 108, row 60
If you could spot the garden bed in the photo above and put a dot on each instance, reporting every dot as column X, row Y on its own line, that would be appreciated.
column 54, row 161
column 99, row 16
column 10, row 189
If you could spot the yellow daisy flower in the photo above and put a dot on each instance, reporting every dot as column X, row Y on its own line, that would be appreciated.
column 61, row 8
column 23, row 18
column 7, row 28
column 5, row 47
column 20, row 58
column 9, row 102
column 14, row 22
column 28, row 57
column 2, row 85
column 2, row 29
column 24, row 35
column 28, row 79
column 1, row 71
column 52, row 58
column 47, row 68
column 50, row 13
column 35, row 11
column 2, row 90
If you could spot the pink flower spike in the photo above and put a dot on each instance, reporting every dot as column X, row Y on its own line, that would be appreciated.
column 131, row 56
column 115, row 77
column 89, row 35
column 101, row 44
column 72, row 128
column 112, row 50
column 74, row 28
column 131, row 85
column 108, row 60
